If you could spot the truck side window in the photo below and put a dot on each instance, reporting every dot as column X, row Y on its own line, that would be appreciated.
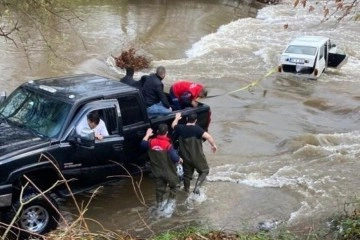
column 130, row 110
column 109, row 116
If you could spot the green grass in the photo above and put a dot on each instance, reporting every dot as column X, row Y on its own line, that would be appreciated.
column 347, row 226
column 198, row 233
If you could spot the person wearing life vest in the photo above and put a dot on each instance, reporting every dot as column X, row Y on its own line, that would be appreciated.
column 163, row 160
column 184, row 93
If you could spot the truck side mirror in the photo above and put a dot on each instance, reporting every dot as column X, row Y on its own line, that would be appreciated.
column 2, row 96
column 87, row 138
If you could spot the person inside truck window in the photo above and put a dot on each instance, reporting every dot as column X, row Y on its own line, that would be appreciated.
column 184, row 94
column 93, row 121
column 153, row 91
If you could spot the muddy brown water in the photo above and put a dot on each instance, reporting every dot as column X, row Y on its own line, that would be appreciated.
column 291, row 156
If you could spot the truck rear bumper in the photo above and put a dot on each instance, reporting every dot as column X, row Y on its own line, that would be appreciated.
column 5, row 195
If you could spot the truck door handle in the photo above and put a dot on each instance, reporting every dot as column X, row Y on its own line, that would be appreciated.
column 141, row 133
column 118, row 147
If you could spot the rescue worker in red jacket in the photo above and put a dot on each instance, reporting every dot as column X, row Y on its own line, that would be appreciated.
column 163, row 160
column 184, row 94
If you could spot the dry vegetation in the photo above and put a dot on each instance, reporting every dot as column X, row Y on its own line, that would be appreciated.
column 130, row 59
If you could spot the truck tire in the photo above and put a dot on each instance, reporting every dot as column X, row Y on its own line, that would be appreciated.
column 38, row 216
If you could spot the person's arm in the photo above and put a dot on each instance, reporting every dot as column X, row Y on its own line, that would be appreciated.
column 186, row 98
column 210, row 139
column 194, row 102
column 162, row 96
column 176, row 120
column 145, row 141
column 174, row 155
column 103, row 129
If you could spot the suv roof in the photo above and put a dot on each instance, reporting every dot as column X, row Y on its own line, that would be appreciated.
column 312, row 41
column 74, row 87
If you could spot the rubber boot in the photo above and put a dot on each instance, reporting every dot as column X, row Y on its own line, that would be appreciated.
column 169, row 208
column 200, row 180
column 186, row 185
column 159, row 201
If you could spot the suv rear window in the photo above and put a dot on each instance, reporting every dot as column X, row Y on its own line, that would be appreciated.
column 301, row 50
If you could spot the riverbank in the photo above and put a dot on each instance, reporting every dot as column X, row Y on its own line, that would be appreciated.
column 341, row 227
column 344, row 225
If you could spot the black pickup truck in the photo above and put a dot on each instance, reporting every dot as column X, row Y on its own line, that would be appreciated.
column 39, row 145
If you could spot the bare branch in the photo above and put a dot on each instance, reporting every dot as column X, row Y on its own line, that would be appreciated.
column 6, row 34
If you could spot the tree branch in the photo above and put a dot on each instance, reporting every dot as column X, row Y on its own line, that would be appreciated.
column 6, row 34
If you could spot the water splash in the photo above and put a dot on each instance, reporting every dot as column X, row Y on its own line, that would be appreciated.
column 165, row 210
column 195, row 199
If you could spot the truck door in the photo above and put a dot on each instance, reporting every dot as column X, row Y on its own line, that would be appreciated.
column 321, row 62
column 135, row 123
column 98, row 163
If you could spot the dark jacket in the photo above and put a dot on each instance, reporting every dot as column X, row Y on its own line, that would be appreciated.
column 153, row 91
column 129, row 80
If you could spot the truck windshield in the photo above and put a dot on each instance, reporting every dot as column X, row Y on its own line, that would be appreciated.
column 37, row 113
column 301, row 50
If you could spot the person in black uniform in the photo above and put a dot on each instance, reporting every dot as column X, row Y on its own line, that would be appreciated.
column 129, row 77
column 191, row 149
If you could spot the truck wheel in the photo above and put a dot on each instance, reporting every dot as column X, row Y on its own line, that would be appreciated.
column 38, row 216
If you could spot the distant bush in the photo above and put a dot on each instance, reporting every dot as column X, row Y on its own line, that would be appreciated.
column 347, row 225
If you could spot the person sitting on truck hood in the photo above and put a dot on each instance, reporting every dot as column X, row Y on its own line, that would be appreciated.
column 184, row 94
column 153, row 91
column 93, row 121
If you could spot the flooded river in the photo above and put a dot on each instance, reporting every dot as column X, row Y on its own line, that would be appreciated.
column 290, row 155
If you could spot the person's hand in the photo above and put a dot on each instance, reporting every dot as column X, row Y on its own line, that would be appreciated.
column 214, row 148
column 181, row 161
column 178, row 116
column 170, row 108
column 99, row 137
column 194, row 103
column 149, row 132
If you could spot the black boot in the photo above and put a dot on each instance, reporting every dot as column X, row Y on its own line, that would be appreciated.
column 172, row 197
column 200, row 180
column 186, row 185
column 159, row 201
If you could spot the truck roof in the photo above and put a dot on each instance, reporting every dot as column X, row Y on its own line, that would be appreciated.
column 75, row 87
column 311, row 41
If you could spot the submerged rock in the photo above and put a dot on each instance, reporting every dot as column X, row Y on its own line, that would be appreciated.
column 267, row 225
